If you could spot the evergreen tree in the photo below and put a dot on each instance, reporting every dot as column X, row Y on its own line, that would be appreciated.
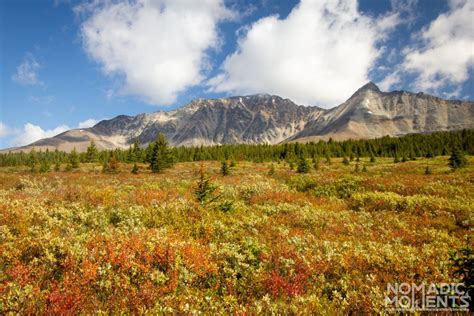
column 372, row 158
column 364, row 168
column 303, row 166
column 32, row 160
column 57, row 166
column 161, row 156
column 225, row 169
column 135, row 168
column 205, row 189
column 91, row 153
column 457, row 159
column 74, row 159
column 233, row 163
column 45, row 166
column 430, row 154
column 345, row 161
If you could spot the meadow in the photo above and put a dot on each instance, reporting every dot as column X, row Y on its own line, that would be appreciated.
column 268, row 239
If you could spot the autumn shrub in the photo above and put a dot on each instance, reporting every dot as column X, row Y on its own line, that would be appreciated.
column 302, row 183
column 326, row 242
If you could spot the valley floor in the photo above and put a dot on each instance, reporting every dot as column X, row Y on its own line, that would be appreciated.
column 327, row 241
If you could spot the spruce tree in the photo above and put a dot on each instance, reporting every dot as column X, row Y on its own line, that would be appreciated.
column 135, row 168
column 225, row 169
column 303, row 166
column 32, row 160
column 45, row 165
column 364, row 168
column 457, row 159
column 372, row 158
column 161, row 156
column 205, row 189
column 74, row 159
column 430, row 154
column 91, row 153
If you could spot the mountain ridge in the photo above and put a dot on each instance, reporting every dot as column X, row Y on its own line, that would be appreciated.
column 265, row 118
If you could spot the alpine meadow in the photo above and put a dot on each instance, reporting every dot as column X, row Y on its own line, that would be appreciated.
column 236, row 157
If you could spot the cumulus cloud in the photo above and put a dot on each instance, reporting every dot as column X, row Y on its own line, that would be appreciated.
column 31, row 133
column 389, row 81
column 318, row 55
column 87, row 123
column 158, row 47
column 27, row 72
column 4, row 130
column 446, row 51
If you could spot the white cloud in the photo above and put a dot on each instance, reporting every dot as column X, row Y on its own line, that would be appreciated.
column 319, row 55
column 31, row 133
column 158, row 47
column 446, row 52
column 4, row 130
column 389, row 81
column 87, row 123
column 27, row 72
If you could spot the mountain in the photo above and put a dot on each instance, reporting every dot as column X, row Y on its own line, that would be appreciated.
column 264, row 118
column 371, row 113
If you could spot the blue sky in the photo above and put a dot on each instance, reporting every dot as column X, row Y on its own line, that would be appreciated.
column 67, row 64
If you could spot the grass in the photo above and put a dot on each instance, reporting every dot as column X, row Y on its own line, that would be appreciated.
column 328, row 241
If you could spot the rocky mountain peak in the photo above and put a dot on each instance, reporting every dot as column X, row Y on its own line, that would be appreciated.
column 266, row 118
column 370, row 86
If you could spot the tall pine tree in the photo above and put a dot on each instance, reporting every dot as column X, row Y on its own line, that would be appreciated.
column 161, row 155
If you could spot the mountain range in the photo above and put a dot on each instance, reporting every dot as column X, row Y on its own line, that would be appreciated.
column 263, row 118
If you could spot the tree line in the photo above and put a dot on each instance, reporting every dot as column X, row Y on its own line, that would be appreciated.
column 159, row 155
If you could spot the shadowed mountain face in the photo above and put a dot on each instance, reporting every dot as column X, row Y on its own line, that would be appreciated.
column 262, row 118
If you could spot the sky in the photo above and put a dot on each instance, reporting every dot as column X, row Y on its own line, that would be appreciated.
column 71, row 63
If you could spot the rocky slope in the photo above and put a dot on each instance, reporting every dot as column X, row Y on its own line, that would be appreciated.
column 371, row 113
column 262, row 118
